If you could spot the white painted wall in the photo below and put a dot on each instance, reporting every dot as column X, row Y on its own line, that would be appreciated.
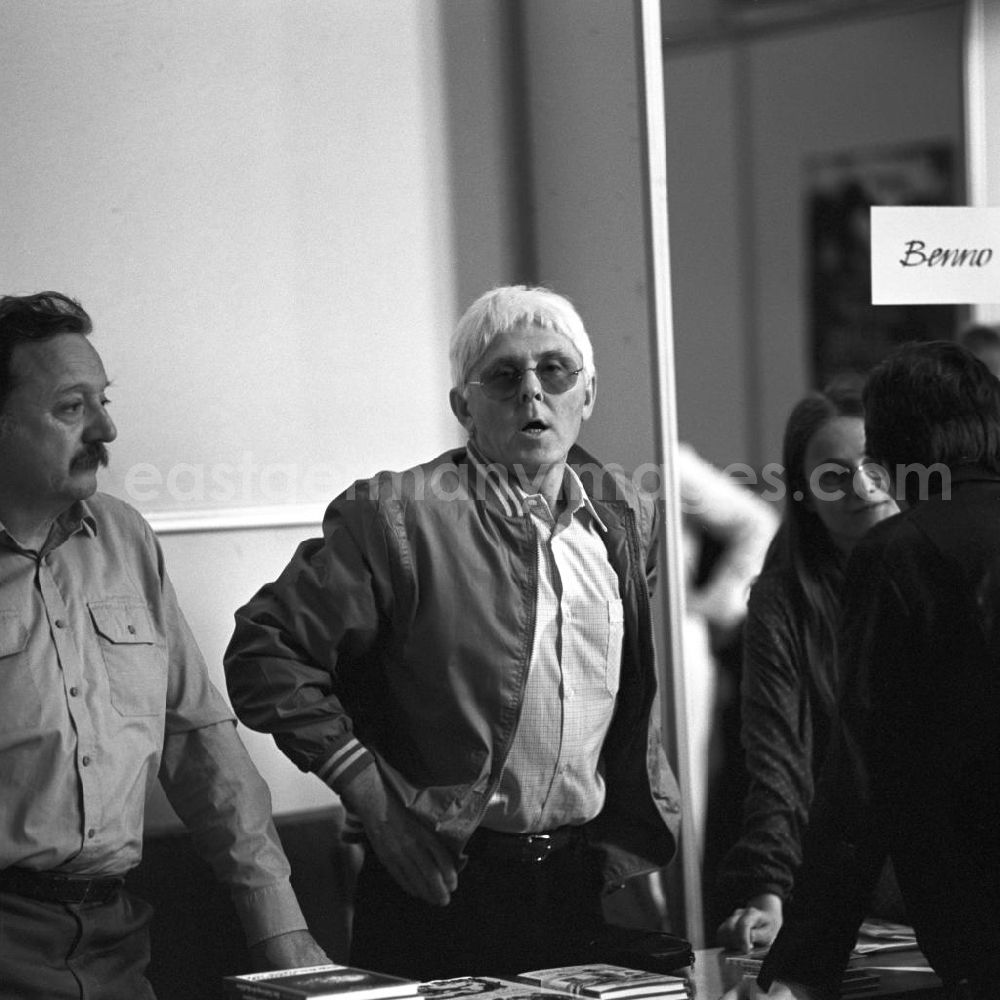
column 215, row 572
column 252, row 200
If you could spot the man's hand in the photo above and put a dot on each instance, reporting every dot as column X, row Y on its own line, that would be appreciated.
column 410, row 852
column 287, row 951
column 752, row 926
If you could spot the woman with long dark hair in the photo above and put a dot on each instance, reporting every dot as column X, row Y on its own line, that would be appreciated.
column 790, row 665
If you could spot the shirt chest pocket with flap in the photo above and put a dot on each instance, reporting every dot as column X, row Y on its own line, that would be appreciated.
column 21, row 704
column 135, row 659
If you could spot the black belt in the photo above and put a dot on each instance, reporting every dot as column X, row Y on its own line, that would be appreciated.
column 51, row 887
column 521, row 848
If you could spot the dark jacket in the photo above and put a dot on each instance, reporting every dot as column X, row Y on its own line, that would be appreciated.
column 404, row 634
column 785, row 728
column 914, row 766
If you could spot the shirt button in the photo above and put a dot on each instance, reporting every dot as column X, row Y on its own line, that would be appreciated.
column 85, row 761
column 73, row 692
column 131, row 630
column 91, row 833
column 60, row 623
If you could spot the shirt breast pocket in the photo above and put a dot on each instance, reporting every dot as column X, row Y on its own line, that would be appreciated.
column 616, row 636
column 21, row 705
column 592, row 649
column 136, row 664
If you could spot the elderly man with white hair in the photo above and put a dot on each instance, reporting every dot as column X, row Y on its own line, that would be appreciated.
column 466, row 658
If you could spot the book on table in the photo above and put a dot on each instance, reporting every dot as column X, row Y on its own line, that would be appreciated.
column 319, row 982
column 853, row 982
column 881, row 935
column 607, row 982
column 491, row 987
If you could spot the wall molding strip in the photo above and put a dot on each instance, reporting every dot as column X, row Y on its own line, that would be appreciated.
column 182, row 522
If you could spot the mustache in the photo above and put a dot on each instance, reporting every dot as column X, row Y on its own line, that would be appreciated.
column 93, row 456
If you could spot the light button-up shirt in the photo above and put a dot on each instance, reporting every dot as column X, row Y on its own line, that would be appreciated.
column 102, row 690
column 552, row 776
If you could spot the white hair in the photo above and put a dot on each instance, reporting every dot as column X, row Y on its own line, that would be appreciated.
column 509, row 308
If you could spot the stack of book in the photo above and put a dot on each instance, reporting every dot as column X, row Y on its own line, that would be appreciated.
column 319, row 982
column 342, row 982
column 463, row 987
column 608, row 982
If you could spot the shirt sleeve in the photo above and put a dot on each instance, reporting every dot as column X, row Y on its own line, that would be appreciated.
column 302, row 641
column 777, row 736
column 217, row 792
column 192, row 700
column 214, row 787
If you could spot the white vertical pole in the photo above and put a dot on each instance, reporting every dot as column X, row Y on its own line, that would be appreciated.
column 982, row 116
column 671, row 587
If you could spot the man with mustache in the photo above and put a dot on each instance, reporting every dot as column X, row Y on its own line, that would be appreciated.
column 466, row 658
column 102, row 688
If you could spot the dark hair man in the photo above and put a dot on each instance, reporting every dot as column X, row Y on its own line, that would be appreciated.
column 466, row 657
column 913, row 771
column 984, row 342
column 102, row 688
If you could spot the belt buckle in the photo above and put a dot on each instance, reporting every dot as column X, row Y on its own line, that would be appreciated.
column 94, row 891
column 79, row 891
column 74, row 890
column 538, row 846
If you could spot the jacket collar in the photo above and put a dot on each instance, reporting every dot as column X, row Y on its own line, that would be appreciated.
column 969, row 473
column 946, row 478
column 495, row 482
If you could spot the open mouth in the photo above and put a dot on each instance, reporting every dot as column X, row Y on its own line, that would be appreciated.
column 534, row 427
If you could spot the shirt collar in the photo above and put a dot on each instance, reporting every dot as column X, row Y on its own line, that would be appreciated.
column 513, row 500
column 77, row 517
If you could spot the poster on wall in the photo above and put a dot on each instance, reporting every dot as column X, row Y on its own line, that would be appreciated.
column 847, row 333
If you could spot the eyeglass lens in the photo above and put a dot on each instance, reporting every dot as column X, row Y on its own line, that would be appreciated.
column 503, row 381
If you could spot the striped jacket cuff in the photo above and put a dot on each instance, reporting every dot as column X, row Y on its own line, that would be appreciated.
column 347, row 761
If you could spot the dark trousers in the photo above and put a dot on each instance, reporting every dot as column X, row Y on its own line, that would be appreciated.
column 506, row 917
column 69, row 951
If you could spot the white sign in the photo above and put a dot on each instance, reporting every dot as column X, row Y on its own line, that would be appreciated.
column 922, row 255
